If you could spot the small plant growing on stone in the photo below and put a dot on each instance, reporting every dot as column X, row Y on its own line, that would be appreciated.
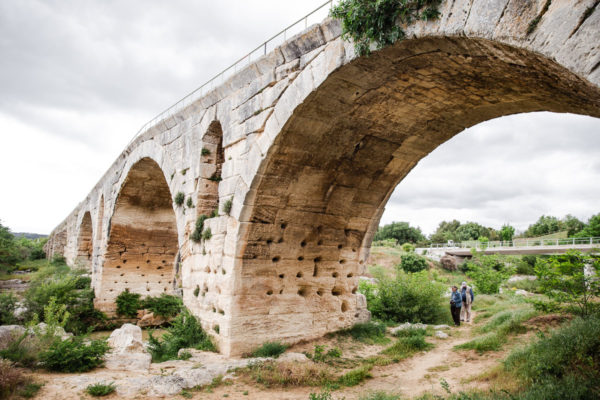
column 227, row 206
column 179, row 199
column 184, row 171
column 197, row 291
column 215, row 213
column 128, row 303
column 217, row 328
column 100, row 389
column 206, row 234
column 190, row 203
column 185, row 355
column 197, row 234
column 205, row 151
column 215, row 177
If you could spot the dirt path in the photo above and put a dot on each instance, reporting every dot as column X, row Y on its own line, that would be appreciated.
column 410, row 378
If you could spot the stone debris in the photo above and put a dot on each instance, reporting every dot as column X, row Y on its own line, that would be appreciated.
column 127, row 350
column 518, row 278
column 441, row 335
column 521, row 292
column 440, row 327
column 407, row 325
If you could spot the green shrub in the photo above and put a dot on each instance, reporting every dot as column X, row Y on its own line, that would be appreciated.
column 189, row 203
column 410, row 332
column 30, row 390
column 206, row 234
column 356, row 376
column 411, row 297
column 179, row 199
column 379, row 22
column 408, row 248
column 205, row 151
column 407, row 346
column 68, row 288
column 488, row 273
column 74, row 355
column 128, row 303
column 197, row 291
column 412, row 262
column 100, row 389
column 270, row 349
column 490, row 342
column 227, row 206
column 367, row 332
column 165, row 305
column 184, row 332
column 320, row 355
column 8, row 304
column 215, row 177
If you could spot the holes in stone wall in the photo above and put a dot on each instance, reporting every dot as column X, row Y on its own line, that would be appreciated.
column 303, row 243
column 300, row 258
column 354, row 289
column 350, row 275
column 317, row 259
column 118, row 267
column 299, row 275
column 315, row 270
column 336, row 291
column 320, row 292
column 335, row 274
column 276, row 259
column 269, row 292
column 340, row 246
column 280, row 240
column 223, row 271
column 269, row 241
column 344, row 306
column 320, row 242
column 281, row 291
column 281, row 276
column 342, row 261
column 283, row 225
column 303, row 292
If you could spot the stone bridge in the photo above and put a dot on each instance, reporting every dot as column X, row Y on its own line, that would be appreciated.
column 299, row 153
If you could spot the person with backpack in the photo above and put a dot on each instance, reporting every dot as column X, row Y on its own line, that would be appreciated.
column 467, row 297
column 455, row 305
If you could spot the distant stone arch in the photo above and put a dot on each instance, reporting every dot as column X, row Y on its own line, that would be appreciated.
column 212, row 158
column 85, row 245
column 143, row 239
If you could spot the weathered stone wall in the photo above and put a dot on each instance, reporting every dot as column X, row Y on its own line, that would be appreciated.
column 309, row 143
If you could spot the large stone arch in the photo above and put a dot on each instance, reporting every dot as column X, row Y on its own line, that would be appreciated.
column 85, row 242
column 346, row 140
column 143, row 237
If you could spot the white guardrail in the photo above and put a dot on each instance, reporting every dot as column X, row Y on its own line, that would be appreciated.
column 315, row 16
column 532, row 242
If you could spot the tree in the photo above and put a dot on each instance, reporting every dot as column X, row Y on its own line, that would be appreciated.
column 592, row 228
column 445, row 231
column 545, row 225
column 472, row 231
column 572, row 225
column 9, row 251
column 401, row 232
column 507, row 232
column 571, row 278
column 488, row 272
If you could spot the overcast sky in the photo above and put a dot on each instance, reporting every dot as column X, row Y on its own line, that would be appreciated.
column 78, row 78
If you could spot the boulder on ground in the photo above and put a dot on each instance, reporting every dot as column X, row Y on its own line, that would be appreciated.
column 127, row 350
column 441, row 335
column 521, row 292
column 9, row 333
column 292, row 357
column 449, row 263
column 440, row 327
column 362, row 314
column 147, row 318
column 407, row 325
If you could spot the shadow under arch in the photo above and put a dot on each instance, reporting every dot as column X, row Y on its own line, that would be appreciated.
column 142, row 239
column 317, row 198
column 85, row 244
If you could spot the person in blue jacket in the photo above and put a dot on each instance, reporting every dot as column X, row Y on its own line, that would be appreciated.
column 455, row 305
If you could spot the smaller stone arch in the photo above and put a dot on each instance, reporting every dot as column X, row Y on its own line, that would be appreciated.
column 85, row 247
column 212, row 158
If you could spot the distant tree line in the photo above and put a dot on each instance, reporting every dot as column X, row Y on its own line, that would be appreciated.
column 402, row 232
column 14, row 250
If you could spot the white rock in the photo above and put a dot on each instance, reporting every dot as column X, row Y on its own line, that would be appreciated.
column 438, row 327
column 441, row 335
column 521, row 292
column 517, row 278
column 292, row 357
column 407, row 325
column 127, row 350
column 8, row 333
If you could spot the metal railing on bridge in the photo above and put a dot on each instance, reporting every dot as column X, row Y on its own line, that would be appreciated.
column 315, row 16
column 521, row 243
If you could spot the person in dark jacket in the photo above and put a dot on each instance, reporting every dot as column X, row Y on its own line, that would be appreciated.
column 455, row 305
